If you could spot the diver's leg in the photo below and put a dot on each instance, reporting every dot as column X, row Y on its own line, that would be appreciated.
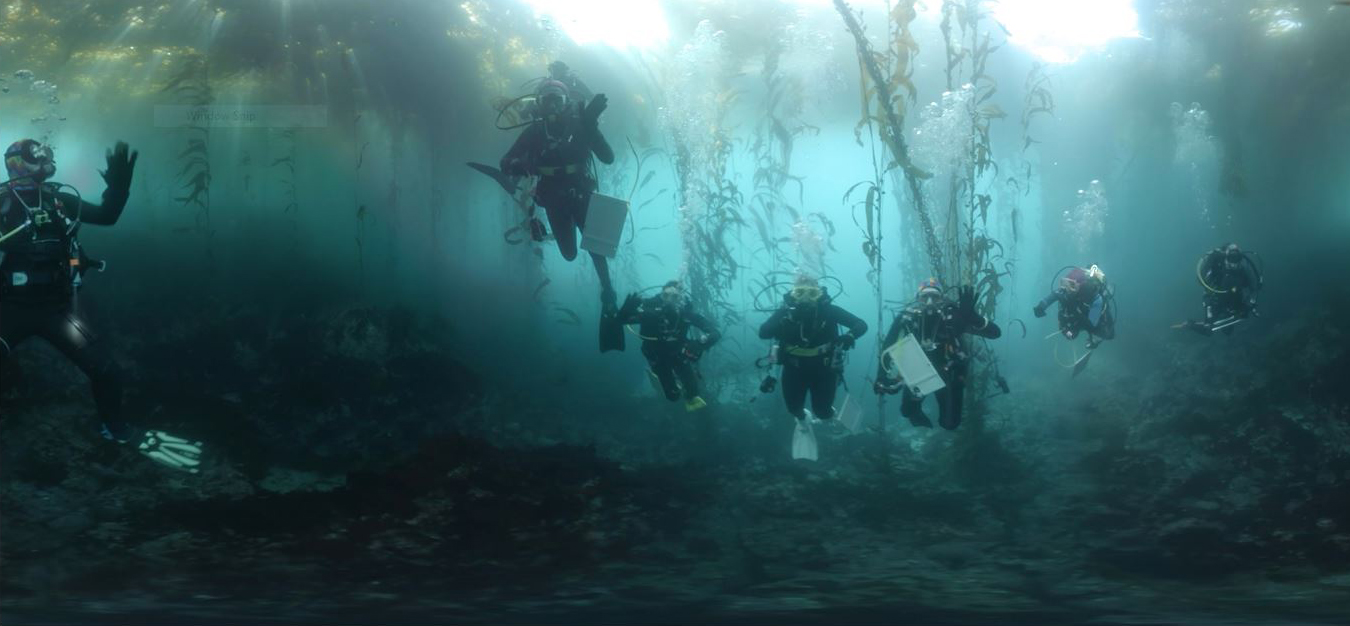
column 911, row 406
column 666, row 374
column 1106, row 327
column 578, row 203
column 950, row 400
column 602, row 271
column 688, row 378
column 70, row 334
column 824, row 385
column 661, row 366
column 794, row 390
column 564, row 229
column 16, row 325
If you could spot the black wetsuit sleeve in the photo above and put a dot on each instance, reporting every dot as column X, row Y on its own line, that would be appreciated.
column 522, row 150
column 705, row 325
column 1209, row 268
column 892, row 336
column 986, row 328
column 601, row 147
column 1055, row 297
column 773, row 327
column 853, row 323
column 106, row 214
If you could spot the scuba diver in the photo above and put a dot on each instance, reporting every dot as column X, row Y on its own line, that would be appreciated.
column 1231, row 280
column 557, row 147
column 936, row 324
column 812, row 353
column 663, row 323
column 1085, row 305
column 41, row 269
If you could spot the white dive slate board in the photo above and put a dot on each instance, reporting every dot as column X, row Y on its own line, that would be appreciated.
column 605, row 218
column 851, row 415
column 913, row 366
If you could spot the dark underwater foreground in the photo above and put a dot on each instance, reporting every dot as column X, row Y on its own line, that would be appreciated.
column 362, row 475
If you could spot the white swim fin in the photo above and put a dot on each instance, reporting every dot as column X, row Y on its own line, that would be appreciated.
column 804, row 441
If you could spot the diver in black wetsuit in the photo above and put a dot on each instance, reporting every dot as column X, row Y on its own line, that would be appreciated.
column 1231, row 280
column 937, row 324
column 1085, row 305
column 557, row 148
column 41, row 268
column 806, row 329
column 663, row 323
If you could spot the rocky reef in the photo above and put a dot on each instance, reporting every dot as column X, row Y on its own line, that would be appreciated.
column 359, row 470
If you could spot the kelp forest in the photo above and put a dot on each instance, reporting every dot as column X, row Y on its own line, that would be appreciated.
column 663, row 311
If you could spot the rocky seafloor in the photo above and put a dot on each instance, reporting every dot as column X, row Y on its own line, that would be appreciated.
column 360, row 474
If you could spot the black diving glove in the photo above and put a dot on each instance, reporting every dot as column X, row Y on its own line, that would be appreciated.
column 1039, row 310
column 591, row 114
column 630, row 305
column 846, row 341
column 121, row 164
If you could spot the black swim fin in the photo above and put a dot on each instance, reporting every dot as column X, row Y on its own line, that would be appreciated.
column 495, row 174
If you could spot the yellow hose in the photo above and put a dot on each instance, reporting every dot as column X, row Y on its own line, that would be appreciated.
column 1072, row 362
column 1201, row 276
column 629, row 328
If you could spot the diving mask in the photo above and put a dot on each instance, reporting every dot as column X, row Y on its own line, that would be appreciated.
column 671, row 296
column 28, row 162
column 553, row 98
column 805, row 294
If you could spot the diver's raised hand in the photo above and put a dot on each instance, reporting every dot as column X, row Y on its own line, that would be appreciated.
column 630, row 305
column 121, row 164
column 965, row 304
column 591, row 114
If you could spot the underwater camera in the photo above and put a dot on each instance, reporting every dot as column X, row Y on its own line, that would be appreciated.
column 768, row 384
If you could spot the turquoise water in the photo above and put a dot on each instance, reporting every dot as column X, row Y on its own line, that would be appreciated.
column 399, row 391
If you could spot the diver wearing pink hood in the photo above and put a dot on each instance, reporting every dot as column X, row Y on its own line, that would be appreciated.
column 41, row 268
